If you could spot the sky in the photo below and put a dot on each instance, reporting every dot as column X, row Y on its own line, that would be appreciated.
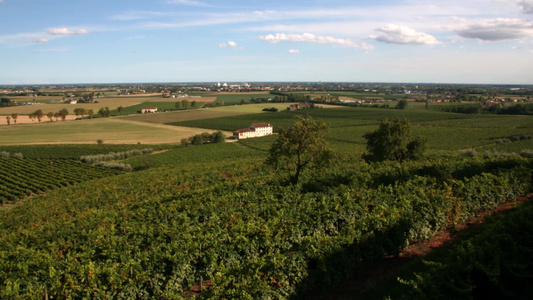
column 119, row 41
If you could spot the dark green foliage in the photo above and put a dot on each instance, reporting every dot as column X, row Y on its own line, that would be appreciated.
column 24, row 177
column 155, row 233
column 104, row 112
column 74, row 151
column 402, row 104
column 393, row 141
column 299, row 147
column 205, row 138
column 272, row 109
column 495, row 264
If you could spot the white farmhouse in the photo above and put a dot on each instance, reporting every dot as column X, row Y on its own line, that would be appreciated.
column 255, row 130
column 149, row 110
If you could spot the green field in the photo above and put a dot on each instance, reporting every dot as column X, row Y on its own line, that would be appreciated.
column 445, row 131
column 230, row 98
column 219, row 215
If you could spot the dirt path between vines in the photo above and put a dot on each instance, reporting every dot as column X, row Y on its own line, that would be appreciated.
column 375, row 273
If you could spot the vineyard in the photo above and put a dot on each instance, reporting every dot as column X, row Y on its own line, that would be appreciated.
column 26, row 177
column 237, row 229
column 216, row 221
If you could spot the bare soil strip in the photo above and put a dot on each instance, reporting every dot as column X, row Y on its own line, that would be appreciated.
column 375, row 273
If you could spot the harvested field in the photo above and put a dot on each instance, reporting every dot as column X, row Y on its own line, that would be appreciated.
column 23, row 119
column 110, row 130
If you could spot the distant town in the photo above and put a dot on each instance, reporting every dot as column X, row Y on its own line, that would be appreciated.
column 359, row 92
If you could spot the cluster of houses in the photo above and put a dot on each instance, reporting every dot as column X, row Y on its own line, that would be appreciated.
column 255, row 130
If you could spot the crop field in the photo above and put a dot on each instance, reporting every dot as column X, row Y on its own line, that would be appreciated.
column 229, row 98
column 112, row 103
column 209, row 154
column 445, row 131
column 110, row 130
column 219, row 216
column 25, row 177
column 205, row 113
column 39, row 99
column 74, row 151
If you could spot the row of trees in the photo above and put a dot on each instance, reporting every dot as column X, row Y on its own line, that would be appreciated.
column 62, row 114
column 205, row 138
column 304, row 146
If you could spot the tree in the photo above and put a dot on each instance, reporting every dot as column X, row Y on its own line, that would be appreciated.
column 178, row 105
column 193, row 103
column 393, row 140
column 38, row 114
column 63, row 114
column 104, row 112
column 50, row 115
column 8, row 118
column 90, row 112
column 197, row 140
column 79, row 111
column 185, row 103
column 121, row 110
column 301, row 146
column 14, row 116
column 218, row 137
column 402, row 104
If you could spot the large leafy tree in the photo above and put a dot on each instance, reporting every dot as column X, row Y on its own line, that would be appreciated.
column 299, row 147
column 393, row 140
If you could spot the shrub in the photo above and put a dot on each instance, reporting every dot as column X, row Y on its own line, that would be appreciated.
column 4, row 154
column 527, row 153
column 115, row 166
column 468, row 153
column 18, row 155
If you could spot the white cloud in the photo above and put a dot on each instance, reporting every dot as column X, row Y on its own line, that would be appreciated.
column 231, row 44
column 395, row 34
column 188, row 2
column 40, row 40
column 498, row 29
column 294, row 51
column 66, row 31
column 527, row 6
column 311, row 38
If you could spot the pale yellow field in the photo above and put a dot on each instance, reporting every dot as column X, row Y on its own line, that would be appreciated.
column 22, row 119
column 213, row 112
column 110, row 130
column 112, row 103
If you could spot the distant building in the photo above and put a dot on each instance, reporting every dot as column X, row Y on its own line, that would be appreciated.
column 298, row 106
column 255, row 130
column 73, row 102
column 148, row 110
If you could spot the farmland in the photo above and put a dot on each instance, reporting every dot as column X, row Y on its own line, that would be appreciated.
column 109, row 130
column 216, row 216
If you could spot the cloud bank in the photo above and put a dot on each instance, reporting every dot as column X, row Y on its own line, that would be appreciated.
column 527, row 6
column 395, row 34
column 311, row 38
column 66, row 31
column 498, row 29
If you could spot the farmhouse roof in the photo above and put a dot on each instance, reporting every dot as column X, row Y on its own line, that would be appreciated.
column 258, row 125
column 243, row 130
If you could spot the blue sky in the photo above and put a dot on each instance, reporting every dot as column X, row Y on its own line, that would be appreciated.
column 446, row 41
